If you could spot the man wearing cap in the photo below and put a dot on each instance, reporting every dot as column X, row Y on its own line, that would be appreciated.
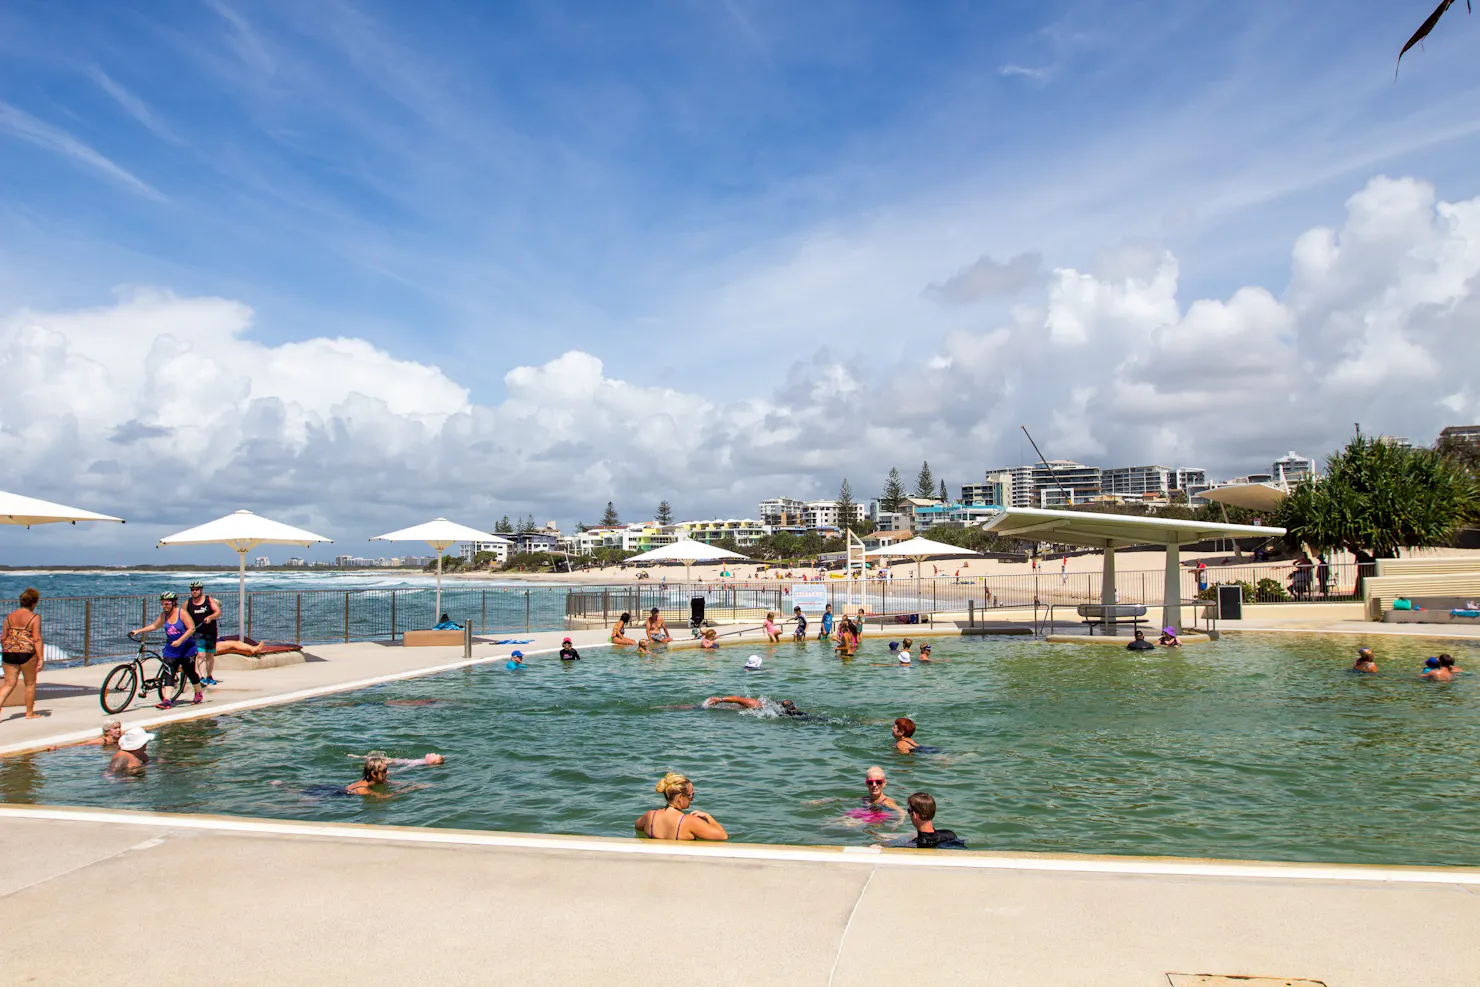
column 568, row 651
column 133, row 752
column 516, row 660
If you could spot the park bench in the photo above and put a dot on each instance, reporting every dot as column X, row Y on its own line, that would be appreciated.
column 1111, row 614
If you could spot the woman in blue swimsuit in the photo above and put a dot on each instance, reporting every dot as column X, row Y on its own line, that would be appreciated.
column 179, row 643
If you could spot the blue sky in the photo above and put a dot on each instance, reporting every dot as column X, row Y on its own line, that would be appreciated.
column 728, row 205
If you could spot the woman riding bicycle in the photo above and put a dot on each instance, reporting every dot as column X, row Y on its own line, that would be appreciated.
column 179, row 649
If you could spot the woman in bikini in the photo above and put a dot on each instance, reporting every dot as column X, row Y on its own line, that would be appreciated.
column 619, row 632
column 673, row 821
column 23, row 648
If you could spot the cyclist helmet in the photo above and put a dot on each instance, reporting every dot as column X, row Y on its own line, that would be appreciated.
column 197, row 585
column 169, row 595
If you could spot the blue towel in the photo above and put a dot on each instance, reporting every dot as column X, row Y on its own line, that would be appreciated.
column 1464, row 613
column 512, row 641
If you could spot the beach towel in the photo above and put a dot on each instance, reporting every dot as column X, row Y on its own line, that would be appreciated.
column 510, row 640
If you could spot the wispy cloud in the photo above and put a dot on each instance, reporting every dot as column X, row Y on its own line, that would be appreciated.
column 248, row 45
column 20, row 124
column 134, row 106
column 1031, row 73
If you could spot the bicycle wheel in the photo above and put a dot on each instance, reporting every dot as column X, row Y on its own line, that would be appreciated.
column 169, row 686
column 119, row 688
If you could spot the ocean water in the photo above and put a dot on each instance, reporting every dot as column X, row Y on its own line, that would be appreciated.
column 1252, row 747
column 125, row 582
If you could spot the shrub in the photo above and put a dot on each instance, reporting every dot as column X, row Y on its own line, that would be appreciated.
column 1270, row 591
column 1211, row 593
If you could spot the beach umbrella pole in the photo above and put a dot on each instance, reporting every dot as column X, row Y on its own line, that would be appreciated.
column 241, row 596
column 437, row 617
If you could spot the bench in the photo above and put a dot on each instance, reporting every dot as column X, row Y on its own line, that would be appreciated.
column 431, row 639
column 1436, row 610
column 1111, row 614
column 1380, row 591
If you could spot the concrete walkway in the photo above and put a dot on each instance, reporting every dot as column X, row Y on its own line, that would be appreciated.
column 94, row 897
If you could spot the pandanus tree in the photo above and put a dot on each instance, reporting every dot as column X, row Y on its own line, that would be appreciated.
column 1426, row 27
column 1377, row 497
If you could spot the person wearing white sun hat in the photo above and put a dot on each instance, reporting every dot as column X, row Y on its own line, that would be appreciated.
column 753, row 663
column 133, row 752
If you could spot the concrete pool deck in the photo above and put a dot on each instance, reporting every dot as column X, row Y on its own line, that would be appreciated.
column 90, row 893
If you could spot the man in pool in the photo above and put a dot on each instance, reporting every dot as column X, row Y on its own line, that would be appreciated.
column 788, row 708
column 516, row 661
column 927, row 837
column 133, row 752
column 1140, row 643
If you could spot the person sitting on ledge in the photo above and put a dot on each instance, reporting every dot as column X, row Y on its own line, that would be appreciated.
column 927, row 837
column 619, row 630
column 657, row 630
column 709, row 640
column 1140, row 643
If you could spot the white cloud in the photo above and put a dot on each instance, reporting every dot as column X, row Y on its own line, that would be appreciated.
column 166, row 410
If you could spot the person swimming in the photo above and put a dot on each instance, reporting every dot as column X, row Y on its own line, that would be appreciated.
column 1365, row 662
column 568, row 651
column 428, row 760
column 516, row 660
column 754, row 663
column 785, row 706
column 642, row 649
column 904, row 735
column 1440, row 669
column 925, row 653
column 673, row 822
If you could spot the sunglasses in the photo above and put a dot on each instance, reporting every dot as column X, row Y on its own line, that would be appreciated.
column 873, row 781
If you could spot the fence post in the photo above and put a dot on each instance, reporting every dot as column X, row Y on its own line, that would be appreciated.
column 393, row 615
column 249, row 616
column 86, row 631
column 970, row 613
column 484, row 623
column 298, row 623
column 346, row 618
column 468, row 639
column 526, row 611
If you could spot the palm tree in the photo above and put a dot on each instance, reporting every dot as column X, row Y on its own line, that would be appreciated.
column 1426, row 27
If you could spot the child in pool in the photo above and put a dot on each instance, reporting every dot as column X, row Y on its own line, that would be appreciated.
column 772, row 634
column 800, row 634
column 642, row 648
column 709, row 640
column 516, row 661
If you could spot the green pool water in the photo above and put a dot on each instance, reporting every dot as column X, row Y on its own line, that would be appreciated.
column 1251, row 747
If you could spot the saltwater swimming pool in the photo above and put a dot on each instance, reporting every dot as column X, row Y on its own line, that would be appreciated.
column 1252, row 747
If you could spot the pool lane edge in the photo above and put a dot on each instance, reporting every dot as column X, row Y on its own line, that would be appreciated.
column 1126, row 866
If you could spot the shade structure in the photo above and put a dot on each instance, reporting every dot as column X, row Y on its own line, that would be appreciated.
column 687, row 551
column 919, row 549
column 242, row 532
column 16, row 509
column 441, row 534
column 1251, row 496
column 1112, row 531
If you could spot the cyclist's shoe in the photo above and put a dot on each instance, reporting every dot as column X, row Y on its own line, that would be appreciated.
column 198, row 697
column 166, row 704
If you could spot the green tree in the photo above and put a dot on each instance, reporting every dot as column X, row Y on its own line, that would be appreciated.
column 893, row 493
column 847, row 509
column 1378, row 497
column 925, row 482
column 609, row 516
column 503, row 527
column 945, row 498
column 526, row 525
column 664, row 514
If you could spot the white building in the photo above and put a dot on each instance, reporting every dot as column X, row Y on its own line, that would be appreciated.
column 1291, row 468
column 781, row 512
column 887, row 520
column 1149, row 482
column 499, row 548
column 956, row 515
column 295, row 562
column 1017, row 485
column 745, row 531
column 261, row 562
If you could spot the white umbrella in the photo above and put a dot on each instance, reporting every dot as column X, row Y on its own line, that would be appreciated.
column 441, row 534
column 15, row 509
column 242, row 532
column 919, row 549
column 687, row 551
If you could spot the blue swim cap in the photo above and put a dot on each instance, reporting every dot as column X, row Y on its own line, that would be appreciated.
column 893, row 645
column 1431, row 663
column 516, row 654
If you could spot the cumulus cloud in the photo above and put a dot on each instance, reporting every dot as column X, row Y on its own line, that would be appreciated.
column 988, row 278
column 165, row 409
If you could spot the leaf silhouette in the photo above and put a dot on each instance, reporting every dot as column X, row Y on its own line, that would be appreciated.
column 1426, row 27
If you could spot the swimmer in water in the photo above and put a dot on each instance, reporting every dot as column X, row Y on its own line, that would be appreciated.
column 709, row 640
column 133, row 752
column 874, row 781
column 112, row 730
column 642, row 648
column 673, row 822
column 568, row 651
column 377, row 772
column 619, row 630
column 1440, row 669
column 515, row 662
column 788, row 708
column 1365, row 662
column 925, row 653
column 429, row 760
column 904, row 735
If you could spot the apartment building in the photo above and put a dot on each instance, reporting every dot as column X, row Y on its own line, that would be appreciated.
column 1291, row 468
column 992, row 493
column 781, row 512
column 745, row 531
column 1017, row 485
column 499, row 548
column 958, row 515
column 1149, row 482
column 1064, row 483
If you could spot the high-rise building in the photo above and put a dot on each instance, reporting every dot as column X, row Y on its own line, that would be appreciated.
column 1151, row 481
column 781, row 512
column 1291, row 468
column 1017, row 485
column 992, row 493
column 1063, row 483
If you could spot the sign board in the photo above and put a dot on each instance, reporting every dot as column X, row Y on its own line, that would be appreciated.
column 811, row 597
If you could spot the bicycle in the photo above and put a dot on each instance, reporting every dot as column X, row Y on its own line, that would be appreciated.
column 132, row 680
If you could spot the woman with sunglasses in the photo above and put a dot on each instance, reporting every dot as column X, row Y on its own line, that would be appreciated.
column 673, row 821
column 877, row 807
column 179, row 648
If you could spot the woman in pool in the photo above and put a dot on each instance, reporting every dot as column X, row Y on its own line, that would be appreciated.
column 874, row 798
column 709, row 640
column 619, row 630
column 904, row 735
column 1365, row 662
column 673, row 821
column 772, row 634
column 1168, row 638
column 377, row 772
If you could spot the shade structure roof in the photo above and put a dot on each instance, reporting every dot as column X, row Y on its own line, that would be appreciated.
column 17, row 509
column 1113, row 530
column 920, row 548
column 1253, row 496
column 440, row 534
column 688, row 551
column 243, row 531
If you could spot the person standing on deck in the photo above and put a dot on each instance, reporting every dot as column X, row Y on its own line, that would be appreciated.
column 24, row 649
column 206, row 613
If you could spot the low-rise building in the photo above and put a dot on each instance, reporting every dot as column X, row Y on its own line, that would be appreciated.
column 536, row 541
column 499, row 549
column 744, row 531
column 1291, row 468
column 954, row 515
